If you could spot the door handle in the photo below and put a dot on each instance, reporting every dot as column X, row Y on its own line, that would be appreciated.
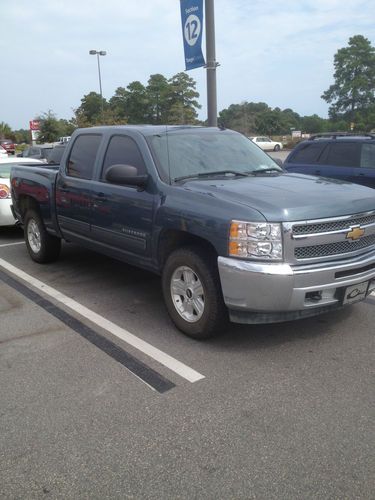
column 317, row 172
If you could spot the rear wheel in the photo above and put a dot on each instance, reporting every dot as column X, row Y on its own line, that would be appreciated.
column 192, row 293
column 42, row 246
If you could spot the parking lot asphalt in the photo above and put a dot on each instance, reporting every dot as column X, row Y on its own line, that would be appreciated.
column 101, row 397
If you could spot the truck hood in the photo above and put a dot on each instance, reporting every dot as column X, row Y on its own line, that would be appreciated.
column 290, row 197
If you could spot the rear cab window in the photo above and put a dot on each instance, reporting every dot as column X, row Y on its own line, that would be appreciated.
column 82, row 156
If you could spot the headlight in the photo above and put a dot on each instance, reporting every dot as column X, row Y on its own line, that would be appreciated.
column 255, row 240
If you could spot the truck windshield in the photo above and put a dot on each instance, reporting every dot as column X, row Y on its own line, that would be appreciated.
column 184, row 154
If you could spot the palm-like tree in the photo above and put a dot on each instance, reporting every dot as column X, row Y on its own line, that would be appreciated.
column 5, row 130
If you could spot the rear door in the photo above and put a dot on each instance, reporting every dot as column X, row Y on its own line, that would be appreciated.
column 365, row 174
column 74, row 187
column 122, row 215
column 340, row 160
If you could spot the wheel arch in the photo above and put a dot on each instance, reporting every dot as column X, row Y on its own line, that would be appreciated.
column 172, row 239
column 26, row 202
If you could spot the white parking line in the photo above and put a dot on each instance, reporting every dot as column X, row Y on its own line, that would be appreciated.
column 171, row 363
column 11, row 244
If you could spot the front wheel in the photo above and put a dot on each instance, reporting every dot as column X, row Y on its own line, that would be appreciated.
column 192, row 293
column 42, row 246
column 277, row 147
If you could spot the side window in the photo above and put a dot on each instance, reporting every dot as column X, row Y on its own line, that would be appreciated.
column 34, row 152
column 124, row 151
column 308, row 153
column 343, row 154
column 368, row 156
column 82, row 156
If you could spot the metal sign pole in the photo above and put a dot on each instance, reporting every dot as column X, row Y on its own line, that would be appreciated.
column 211, row 64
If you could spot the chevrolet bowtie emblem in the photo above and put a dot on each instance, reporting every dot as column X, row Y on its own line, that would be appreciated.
column 355, row 233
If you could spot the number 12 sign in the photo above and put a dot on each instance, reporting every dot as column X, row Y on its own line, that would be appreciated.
column 192, row 27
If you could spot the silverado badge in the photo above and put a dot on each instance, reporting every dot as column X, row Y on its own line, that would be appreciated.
column 355, row 233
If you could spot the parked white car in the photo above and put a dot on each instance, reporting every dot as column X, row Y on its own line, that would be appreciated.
column 267, row 144
column 6, row 216
column 3, row 152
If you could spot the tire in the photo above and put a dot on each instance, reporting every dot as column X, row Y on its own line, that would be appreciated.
column 276, row 148
column 192, row 293
column 41, row 246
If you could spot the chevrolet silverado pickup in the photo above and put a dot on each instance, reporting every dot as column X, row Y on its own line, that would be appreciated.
column 232, row 234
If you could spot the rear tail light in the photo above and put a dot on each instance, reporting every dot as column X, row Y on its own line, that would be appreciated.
column 4, row 192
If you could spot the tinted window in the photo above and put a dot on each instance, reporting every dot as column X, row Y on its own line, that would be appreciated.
column 45, row 152
column 56, row 154
column 82, row 156
column 343, row 154
column 122, row 150
column 368, row 156
column 308, row 153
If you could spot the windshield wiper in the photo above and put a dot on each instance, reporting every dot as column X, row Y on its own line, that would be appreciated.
column 267, row 170
column 209, row 174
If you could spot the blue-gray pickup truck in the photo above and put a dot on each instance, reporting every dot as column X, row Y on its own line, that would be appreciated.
column 231, row 233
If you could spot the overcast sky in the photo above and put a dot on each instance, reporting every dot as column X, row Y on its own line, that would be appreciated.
column 279, row 52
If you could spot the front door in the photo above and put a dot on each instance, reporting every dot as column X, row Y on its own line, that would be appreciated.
column 121, row 218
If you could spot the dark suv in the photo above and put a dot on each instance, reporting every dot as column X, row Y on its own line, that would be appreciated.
column 41, row 152
column 347, row 157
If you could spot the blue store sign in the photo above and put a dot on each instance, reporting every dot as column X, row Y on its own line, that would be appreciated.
column 192, row 28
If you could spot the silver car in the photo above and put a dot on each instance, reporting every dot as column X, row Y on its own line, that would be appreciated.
column 6, row 163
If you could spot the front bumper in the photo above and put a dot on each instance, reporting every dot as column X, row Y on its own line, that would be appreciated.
column 264, row 293
column 6, row 215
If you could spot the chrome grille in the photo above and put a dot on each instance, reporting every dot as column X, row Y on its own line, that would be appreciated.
column 342, row 247
column 337, row 225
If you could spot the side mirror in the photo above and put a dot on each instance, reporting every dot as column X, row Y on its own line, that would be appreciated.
column 125, row 174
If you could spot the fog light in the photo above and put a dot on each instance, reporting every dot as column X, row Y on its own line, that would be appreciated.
column 314, row 296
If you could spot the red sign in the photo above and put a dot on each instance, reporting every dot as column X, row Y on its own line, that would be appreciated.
column 34, row 125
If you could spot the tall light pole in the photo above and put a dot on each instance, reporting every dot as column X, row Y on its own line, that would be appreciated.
column 211, row 64
column 99, row 53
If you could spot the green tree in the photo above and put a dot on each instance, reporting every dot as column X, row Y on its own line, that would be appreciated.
column 67, row 127
column 354, row 88
column 130, row 104
column 157, row 93
column 314, row 124
column 242, row 117
column 270, row 123
column 50, row 130
column 22, row 136
column 5, row 130
column 182, row 100
column 90, row 110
